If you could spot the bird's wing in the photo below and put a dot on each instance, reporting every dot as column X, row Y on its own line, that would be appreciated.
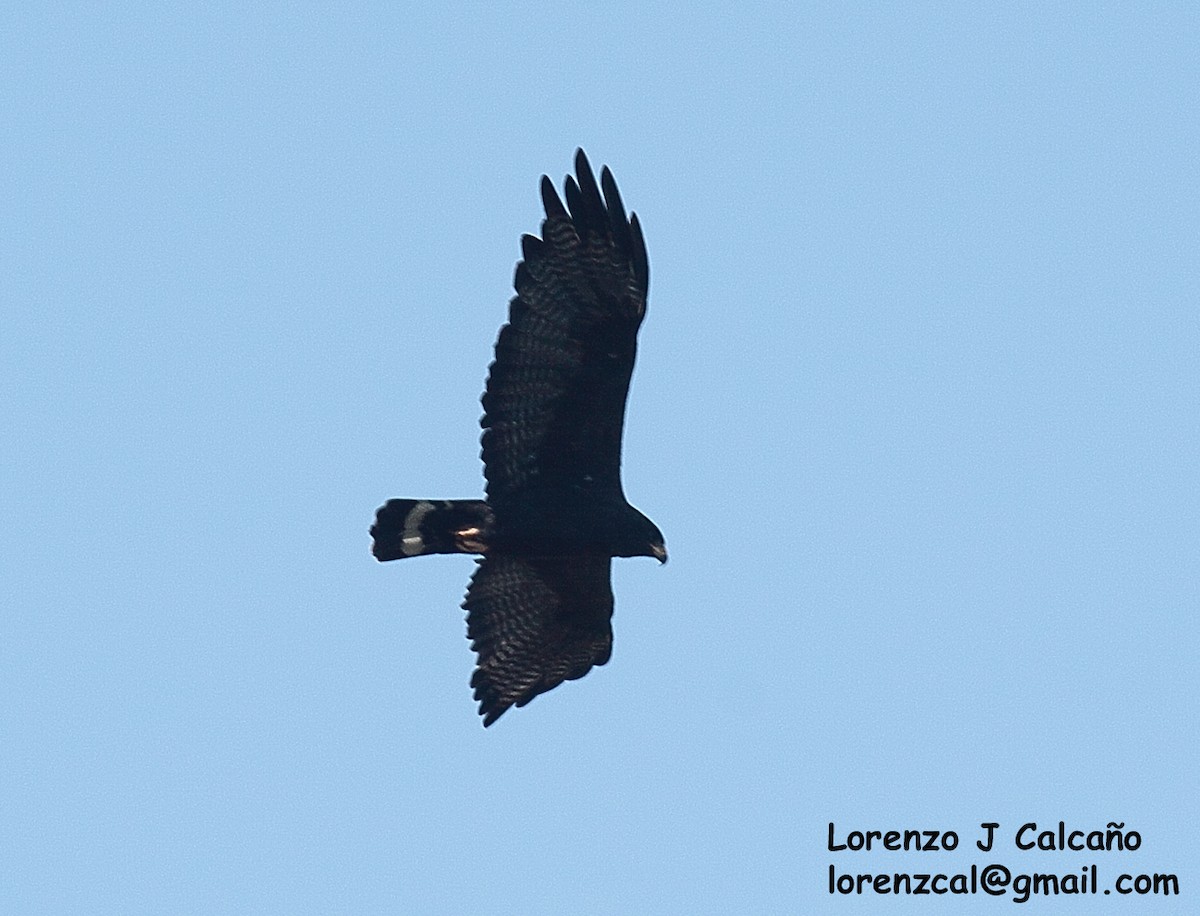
column 536, row 622
column 554, row 404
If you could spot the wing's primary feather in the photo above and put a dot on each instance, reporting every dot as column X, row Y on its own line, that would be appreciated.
column 550, row 201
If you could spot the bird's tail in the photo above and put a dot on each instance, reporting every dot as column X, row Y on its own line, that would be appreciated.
column 412, row 527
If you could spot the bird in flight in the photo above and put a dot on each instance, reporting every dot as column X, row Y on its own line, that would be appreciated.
column 539, row 606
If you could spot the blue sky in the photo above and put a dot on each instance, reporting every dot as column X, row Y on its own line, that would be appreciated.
column 916, row 408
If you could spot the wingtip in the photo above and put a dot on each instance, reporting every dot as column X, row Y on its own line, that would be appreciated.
column 581, row 161
column 641, row 262
column 491, row 709
column 607, row 182
column 550, row 199
column 617, row 220
column 531, row 247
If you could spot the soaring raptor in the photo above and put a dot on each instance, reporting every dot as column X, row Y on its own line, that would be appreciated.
column 539, row 607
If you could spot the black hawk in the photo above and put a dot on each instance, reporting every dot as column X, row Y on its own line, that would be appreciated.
column 539, row 607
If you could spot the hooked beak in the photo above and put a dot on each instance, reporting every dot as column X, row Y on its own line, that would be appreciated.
column 660, row 552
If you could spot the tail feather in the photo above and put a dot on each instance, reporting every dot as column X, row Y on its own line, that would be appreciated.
column 412, row 527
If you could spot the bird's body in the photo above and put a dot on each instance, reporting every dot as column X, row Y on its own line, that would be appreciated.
column 540, row 603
